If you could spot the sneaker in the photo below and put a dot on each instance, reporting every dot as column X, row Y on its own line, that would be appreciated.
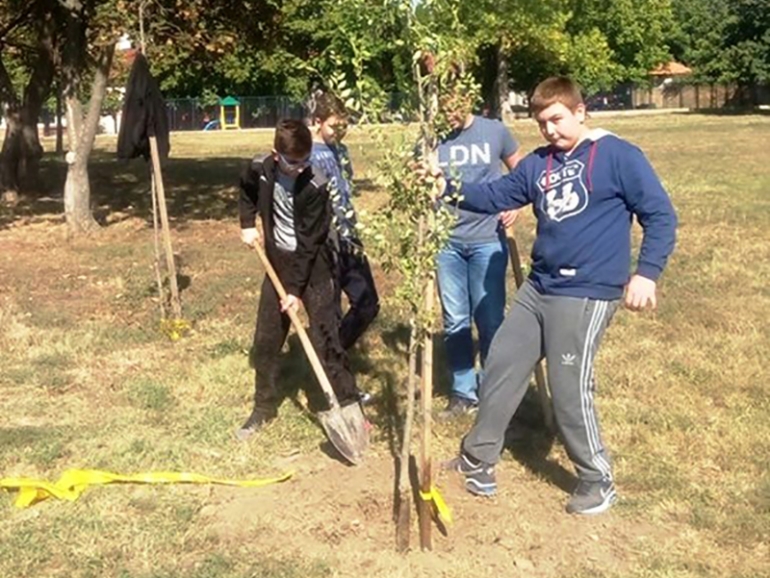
column 592, row 497
column 364, row 398
column 258, row 418
column 479, row 476
column 458, row 406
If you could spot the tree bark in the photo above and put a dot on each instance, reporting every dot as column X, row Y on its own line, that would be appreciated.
column 77, row 198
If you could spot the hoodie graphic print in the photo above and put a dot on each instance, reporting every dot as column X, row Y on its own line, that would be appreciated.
column 585, row 202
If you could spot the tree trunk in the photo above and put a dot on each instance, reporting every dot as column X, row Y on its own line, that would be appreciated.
column 9, row 154
column 21, row 147
column 9, row 159
column 59, row 127
column 31, row 150
column 77, row 198
column 82, row 132
column 21, row 152
column 502, row 108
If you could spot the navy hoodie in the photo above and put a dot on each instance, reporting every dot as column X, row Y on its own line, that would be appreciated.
column 584, row 202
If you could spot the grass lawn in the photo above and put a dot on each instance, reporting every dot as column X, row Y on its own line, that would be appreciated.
column 88, row 381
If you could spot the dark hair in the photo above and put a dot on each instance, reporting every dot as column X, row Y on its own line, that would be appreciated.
column 325, row 104
column 293, row 138
column 555, row 89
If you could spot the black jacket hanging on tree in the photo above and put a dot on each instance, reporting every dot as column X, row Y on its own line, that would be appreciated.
column 144, row 114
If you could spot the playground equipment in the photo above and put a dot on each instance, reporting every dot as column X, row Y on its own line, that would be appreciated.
column 229, row 113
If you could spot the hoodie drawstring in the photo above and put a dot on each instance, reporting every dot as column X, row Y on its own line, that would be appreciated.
column 590, row 168
column 591, row 155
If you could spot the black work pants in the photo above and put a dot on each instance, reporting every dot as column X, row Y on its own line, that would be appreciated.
column 356, row 281
column 320, row 299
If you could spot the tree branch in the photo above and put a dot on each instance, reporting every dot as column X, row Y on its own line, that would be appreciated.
column 98, row 89
column 23, row 15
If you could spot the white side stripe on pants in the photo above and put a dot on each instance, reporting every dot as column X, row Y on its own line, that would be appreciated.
column 586, row 393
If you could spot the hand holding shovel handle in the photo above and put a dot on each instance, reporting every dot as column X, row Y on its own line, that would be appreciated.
column 346, row 426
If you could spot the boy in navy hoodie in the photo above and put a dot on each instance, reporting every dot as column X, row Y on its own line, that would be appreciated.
column 585, row 187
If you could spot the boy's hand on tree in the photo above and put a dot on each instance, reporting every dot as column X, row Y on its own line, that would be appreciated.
column 290, row 302
column 251, row 236
column 508, row 218
column 640, row 292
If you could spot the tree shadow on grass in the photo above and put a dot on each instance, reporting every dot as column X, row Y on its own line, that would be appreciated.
column 41, row 445
column 195, row 189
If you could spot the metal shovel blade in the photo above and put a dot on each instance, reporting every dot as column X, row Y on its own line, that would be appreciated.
column 347, row 430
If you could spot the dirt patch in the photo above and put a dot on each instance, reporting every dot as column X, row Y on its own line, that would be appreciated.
column 343, row 515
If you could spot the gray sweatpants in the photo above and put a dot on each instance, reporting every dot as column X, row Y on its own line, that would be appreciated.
column 566, row 331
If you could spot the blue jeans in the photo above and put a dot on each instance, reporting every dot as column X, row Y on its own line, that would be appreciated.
column 471, row 280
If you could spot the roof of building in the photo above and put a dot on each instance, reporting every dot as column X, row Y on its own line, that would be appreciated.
column 671, row 68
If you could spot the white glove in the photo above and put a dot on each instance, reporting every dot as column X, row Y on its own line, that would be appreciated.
column 251, row 236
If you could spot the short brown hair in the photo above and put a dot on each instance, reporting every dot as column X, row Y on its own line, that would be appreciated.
column 555, row 89
column 293, row 138
column 325, row 105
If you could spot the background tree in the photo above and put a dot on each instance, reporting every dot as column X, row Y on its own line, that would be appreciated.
column 508, row 36
column 635, row 30
column 262, row 47
column 723, row 40
column 747, row 42
column 91, row 31
column 28, row 43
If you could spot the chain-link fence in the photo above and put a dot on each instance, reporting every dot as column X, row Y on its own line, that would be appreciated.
column 255, row 112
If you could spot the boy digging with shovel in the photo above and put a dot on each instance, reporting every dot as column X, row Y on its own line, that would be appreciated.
column 293, row 204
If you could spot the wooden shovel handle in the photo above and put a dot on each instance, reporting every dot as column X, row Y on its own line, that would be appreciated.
column 301, row 331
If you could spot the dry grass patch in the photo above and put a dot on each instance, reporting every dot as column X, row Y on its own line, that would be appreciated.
column 87, row 380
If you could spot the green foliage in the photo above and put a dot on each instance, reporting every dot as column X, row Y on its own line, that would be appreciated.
column 412, row 227
column 723, row 40
column 265, row 47
column 590, row 59
column 635, row 31
column 697, row 38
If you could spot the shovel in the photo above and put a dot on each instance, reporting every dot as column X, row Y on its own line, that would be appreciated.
column 344, row 426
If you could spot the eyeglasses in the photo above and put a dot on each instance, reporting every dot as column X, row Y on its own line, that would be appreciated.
column 293, row 166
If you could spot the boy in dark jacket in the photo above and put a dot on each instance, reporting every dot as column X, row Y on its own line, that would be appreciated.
column 292, row 202
column 585, row 186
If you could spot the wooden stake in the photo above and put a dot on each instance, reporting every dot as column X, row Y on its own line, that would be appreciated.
column 176, row 305
column 428, row 111
column 426, row 473
column 404, row 509
column 156, row 246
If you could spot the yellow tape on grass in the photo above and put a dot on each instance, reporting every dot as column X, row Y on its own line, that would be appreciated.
column 73, row 483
